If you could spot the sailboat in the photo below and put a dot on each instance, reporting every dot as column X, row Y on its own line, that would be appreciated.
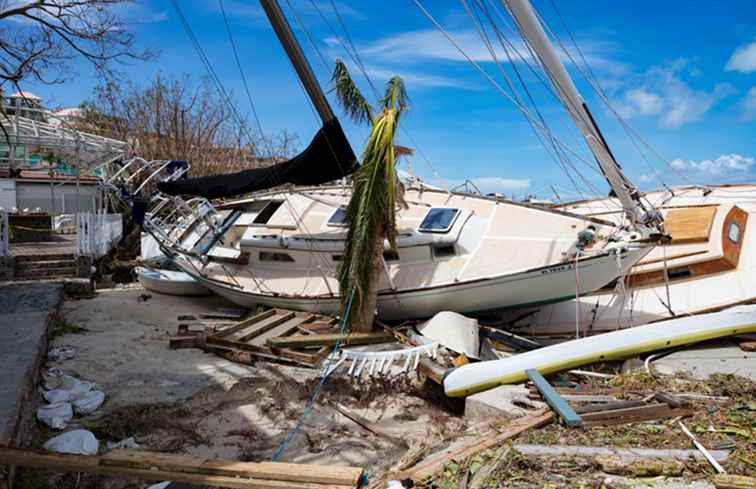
column 455, row 251
column 708, row 265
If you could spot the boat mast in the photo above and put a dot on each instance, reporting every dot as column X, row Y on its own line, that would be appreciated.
column 626, row 192
column 297, row 58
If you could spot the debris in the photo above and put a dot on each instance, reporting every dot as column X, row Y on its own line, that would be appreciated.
column 639, row 467
column 129, row 443
column 454, row 331
column 144, row 297
column 588, row 373
column 369, row 426
column 480, row 478
column 701, row 448
column 511, row 340
column 467, row 447
column 590, row 452
column 80, row 442
column 672, row 400
column 61, row 353
column 88, row 402
column 726, row 481
column 193, row 470
column 460, row 359
column 501, row 401
column 379, row 362
column 553, row 399
column 748, row 345
column 647, row 412
column 310, row 340
column 662, row 335
column 56, row 415
column 608, row 406
column 56, row 395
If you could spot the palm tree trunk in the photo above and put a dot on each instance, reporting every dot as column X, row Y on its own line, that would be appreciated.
column 364, row 317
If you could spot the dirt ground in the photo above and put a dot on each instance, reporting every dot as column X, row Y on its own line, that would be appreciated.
column 194, row 402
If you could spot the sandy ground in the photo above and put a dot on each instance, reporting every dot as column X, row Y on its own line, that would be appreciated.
column 194, row 402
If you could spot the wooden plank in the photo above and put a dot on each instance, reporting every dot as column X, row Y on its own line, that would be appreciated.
column 93, row 464
column 432, row 369
column 590, row 452
column 243, row 324
column 269, row 470
column 692, row 225
column 263, row 326
column 468, row 447
column 553, row 399
column 304, row 341
column 607, row 406
column 185, row 341
column 648, row 412
column 368, row 425
column 283, row 329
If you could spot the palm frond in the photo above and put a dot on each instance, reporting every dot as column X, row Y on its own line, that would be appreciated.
column 349, row 96
column 395, row 95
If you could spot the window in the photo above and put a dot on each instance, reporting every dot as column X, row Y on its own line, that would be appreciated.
column 733, row 232
column 273, row 256
column 442, row 251
column 390, row 255
column 338, row 219
column 439, row 220
column 267, row 212
column 679, row 273
column 336, row 257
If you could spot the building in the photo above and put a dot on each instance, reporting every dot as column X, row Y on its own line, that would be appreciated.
column 25, row 104
column 55, row 195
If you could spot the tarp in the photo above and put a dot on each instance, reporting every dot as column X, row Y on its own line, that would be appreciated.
column 328, row 157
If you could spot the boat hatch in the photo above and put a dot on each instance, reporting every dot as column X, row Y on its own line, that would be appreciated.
column 439, row 220
column 275, row 256
column 267, row 212
column 338, row 219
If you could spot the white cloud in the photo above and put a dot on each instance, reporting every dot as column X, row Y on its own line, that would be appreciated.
column 725, row 164
column 661, row 92
column 749, row 104
column 430, row 44
column 489, row 185
column 743, row 60
column 413, row 78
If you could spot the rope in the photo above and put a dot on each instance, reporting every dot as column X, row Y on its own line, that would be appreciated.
column 316, row 392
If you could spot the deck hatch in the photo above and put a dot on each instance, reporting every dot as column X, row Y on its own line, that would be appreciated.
column 439, row 220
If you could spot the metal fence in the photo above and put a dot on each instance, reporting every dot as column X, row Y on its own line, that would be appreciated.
column 97, row 233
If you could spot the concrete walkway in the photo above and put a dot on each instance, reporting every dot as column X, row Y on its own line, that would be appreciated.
column 24, row 314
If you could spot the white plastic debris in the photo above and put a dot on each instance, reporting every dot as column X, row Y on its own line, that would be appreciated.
column 88, row 402
column 160, row 485
column 129, row 443
column 55, row 415
column 61, row 353
column 74, row 385
column 56, row 395
column 82, row 442
column 394, row 485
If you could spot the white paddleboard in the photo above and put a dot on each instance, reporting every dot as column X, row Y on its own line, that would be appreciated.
column 476, row 377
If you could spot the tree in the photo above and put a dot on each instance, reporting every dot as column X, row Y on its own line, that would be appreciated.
column 376, row 194
column 176, row 119
column 39, row 40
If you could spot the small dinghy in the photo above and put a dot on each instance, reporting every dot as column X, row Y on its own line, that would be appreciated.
column 170, row 282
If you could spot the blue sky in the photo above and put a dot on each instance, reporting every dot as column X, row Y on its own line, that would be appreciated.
column 681, row 73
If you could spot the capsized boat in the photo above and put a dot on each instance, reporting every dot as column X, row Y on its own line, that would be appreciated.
column 709, row 265
column 170, row 282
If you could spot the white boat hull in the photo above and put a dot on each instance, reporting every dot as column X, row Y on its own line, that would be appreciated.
column 170, row 282
column 528, row 288
column 472, row 378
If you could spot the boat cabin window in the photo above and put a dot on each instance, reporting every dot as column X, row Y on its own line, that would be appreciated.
column 338, row 219
column 733, row 232
column 267, row 212
column 443, row 250
column 336, row 257
column 273, row 256
column 439, row 220
column 679, row 273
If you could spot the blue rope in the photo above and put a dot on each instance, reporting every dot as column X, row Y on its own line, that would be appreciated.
column 319, row 387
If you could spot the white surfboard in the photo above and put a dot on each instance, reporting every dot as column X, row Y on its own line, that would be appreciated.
column 476, row 377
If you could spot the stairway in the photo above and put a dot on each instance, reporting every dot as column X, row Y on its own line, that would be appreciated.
column 45, row 266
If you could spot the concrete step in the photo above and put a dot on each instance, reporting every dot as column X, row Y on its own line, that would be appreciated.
column 48, row 272
column 44, row 264
column 53, row 257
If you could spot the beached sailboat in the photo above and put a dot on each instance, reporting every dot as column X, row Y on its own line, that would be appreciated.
column 708, row 265
column 455, row 251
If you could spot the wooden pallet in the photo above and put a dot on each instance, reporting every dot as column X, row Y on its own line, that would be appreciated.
column 250, row 337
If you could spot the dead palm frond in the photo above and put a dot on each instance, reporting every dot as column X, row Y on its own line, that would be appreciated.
column 349, row 96
column 371, row 213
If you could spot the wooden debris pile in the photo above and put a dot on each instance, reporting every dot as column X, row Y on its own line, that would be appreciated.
column 157, row 466
column 279, row 335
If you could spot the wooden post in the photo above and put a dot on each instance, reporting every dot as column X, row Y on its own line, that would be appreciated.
column 553, row 399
